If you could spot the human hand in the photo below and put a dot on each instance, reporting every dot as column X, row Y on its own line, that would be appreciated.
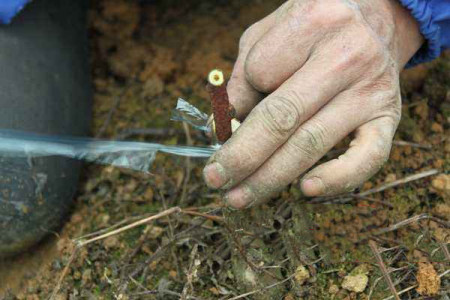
column 329, row 68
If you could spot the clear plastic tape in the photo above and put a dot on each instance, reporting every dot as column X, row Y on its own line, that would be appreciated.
column 190, row 114
column 133, row 155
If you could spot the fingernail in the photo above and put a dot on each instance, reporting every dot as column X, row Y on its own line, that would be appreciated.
column 239, row 198
column 313, row 187
column 215, row 176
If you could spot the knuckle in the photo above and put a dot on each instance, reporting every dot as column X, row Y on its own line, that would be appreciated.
column 382, row 91
column 296, row 9
column 310, row 142
column 256, row 72
column 361, row 52
column 281, row 115
column 373, row 50
column 331, row 14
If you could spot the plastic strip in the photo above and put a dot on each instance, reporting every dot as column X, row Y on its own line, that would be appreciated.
column 190, row 114
column 138, row 156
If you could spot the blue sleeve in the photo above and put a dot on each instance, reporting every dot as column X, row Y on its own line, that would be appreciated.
column 9, row 8
column 434, row 19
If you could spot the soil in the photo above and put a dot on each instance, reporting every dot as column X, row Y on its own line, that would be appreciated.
column 146, row 54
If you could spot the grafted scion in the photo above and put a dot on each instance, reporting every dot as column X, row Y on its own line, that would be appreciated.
column 222, row 110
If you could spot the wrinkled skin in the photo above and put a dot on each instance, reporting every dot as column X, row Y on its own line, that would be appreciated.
column 307, row 76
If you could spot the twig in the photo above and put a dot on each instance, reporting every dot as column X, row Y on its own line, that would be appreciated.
column 444, row 223
column 445, row 273
column 358, row 196
column 199, row 214
column 400, row 181
column 162, row 249
column 164, row 291
column 373, row 247
column 111, row 112
column 374, row 285
column 445, row 250
column 147, row 131
column 403, row 223
column 263, row 289
column 105, row 229
column 190, row 274
column 187, row 174
column 414, row 145
column 171, row 235
column 130, row 226
column 64, row 273
column 350, row 196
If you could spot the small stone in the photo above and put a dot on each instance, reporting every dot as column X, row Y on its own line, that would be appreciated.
column 148, row 195
column 61, row 296
column 334, row 289
column 422, row 110
column 396, row 154
column 418, row 136
column 442, row 210
column 301, row 275
column 250, row 276
column 77, row 275
column 289, row 297
column 355, row 283
column 436, row 127
column 111, row 242
column 367, row 185
column 87, row 276
column 442, row 235
column 155, row 232
column 153, row 265
column 442, row 184
column 428, row 279
column 215, row 291
column 152, row 87
column 447, row 147
column 438, row 163
column 391, row 178
column 173, row 274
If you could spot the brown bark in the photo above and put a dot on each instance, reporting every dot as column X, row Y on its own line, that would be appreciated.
column 222, row 110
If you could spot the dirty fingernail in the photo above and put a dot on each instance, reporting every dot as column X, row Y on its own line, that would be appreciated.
column 215, row 176
column 313, row 187
column 239, row 197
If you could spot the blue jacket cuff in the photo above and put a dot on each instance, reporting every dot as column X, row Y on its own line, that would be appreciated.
column 10, row 8
column 434, row 20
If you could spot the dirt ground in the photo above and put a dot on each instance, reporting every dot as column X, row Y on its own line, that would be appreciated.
column 146, row 54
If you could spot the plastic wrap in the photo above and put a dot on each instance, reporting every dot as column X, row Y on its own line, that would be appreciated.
column 138, row 156
column 190, row 114
column 133, row 155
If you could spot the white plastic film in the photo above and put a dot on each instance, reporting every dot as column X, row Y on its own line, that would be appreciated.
column 190, row 114
column 138, row 156
column 133, row 155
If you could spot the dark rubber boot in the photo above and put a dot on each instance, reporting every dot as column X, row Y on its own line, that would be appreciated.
column 44, row 88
